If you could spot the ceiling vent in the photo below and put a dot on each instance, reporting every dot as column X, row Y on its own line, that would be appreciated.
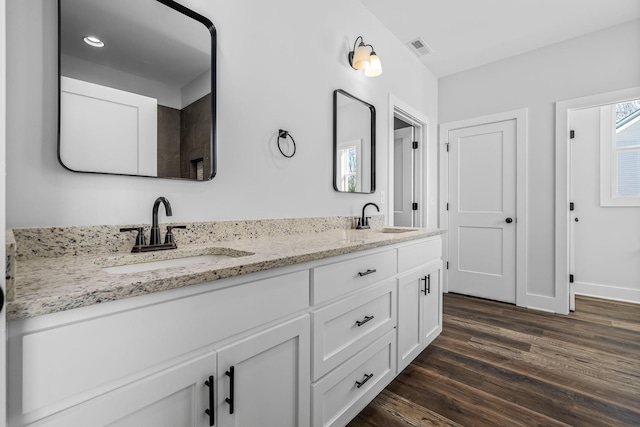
column 419, row 47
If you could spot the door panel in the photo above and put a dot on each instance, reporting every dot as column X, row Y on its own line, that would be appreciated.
column 271, row 378
column 176, row 396
column 473, row 258
column 481, row 173
column 482, row 195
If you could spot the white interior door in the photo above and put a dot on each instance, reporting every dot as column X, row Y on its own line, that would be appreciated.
column 403, row 180
column 482, row 208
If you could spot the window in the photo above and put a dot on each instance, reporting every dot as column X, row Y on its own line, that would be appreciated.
column 620, row 154
column 348, row 168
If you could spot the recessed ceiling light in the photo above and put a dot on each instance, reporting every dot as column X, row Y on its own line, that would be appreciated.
column 93, row 41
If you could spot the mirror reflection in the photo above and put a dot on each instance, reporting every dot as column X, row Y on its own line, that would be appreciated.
column 137, row 89
column 353, row 144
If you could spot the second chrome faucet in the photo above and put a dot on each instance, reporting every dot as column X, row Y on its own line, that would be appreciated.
column 154, row 237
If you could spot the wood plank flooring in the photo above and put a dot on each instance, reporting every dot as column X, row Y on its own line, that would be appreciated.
column 499, row 365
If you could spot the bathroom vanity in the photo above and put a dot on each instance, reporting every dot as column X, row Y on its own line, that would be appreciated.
column 306, row 330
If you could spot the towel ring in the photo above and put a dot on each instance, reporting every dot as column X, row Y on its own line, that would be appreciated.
column 285, row 134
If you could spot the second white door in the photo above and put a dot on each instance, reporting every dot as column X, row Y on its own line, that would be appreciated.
column 482, row 208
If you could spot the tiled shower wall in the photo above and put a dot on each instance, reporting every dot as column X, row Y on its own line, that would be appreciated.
column 191, row 126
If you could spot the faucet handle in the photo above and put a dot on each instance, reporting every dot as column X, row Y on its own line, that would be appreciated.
column 366, row 220
column 168, row 238
column 140, row 239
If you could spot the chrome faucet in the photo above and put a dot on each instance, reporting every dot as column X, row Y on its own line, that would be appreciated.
column 363, row 222
column 154, row 238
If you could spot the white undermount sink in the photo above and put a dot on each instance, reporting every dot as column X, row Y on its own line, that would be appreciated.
column 175, row 262
column 398, row 230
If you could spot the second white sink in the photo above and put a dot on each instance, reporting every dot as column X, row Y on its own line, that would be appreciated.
column 167, row 263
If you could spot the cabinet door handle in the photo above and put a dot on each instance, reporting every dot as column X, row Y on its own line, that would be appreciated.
column 366, row 378
column 363, row 321
column 364, row 273
column 427, row 284
column 209, row 383
column 229, row 399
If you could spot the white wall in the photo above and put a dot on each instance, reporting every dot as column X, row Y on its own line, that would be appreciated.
column 278, row 64
column 599, row 62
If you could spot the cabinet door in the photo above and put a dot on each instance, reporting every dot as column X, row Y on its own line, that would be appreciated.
column 410, row 328
column 172, row 397
column 432, row 303
column 264, row 380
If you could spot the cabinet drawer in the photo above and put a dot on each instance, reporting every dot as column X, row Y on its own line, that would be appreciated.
column 346, row 327
column 71, row 363
column 338, row 397
column 332, row 280
column 412, row 256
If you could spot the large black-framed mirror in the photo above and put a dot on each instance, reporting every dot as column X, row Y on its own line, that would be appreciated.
column 143, row 103
column 354, row 144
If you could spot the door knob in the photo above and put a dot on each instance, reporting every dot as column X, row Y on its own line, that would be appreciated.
column 509, row 220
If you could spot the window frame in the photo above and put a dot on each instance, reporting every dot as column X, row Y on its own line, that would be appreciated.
column 609, row 196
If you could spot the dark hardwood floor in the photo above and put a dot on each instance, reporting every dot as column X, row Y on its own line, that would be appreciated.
column 499, row 365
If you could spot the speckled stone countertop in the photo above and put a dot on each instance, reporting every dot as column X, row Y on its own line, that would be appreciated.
column 58, row 269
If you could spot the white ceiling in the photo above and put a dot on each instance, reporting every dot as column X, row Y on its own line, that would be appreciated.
column 142, row 37
column 464, row 34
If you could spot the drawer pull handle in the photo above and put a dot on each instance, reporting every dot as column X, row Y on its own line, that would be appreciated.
column 363, row 321
column 367, row 377
column 364, row 273
column 209, row 383
column 229, row 400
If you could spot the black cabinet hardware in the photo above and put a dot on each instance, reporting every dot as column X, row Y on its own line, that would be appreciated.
column 209, row 383
column 229, row 399
column 364, row 273
column 427, row 284
column 365, row 320
column 366, row 378
column 509, row 220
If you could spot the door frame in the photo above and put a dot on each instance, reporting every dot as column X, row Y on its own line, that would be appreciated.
column 422, row 181
column 3, row 218
column 410, row 133
column 521, row 118
column 564, row 293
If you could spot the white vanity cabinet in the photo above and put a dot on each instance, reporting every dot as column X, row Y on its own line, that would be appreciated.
column 84, row 362
column 419, row 301
column 376, row 319
column 305, row 345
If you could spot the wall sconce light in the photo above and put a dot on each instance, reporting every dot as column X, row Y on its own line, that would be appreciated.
column 361, row 58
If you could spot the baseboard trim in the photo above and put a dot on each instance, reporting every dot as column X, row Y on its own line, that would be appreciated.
column 614, row 293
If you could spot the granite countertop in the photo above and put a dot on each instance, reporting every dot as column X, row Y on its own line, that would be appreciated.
column 46, row 285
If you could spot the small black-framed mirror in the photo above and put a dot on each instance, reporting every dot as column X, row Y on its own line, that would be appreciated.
column 354, row 144
column 137, row 89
